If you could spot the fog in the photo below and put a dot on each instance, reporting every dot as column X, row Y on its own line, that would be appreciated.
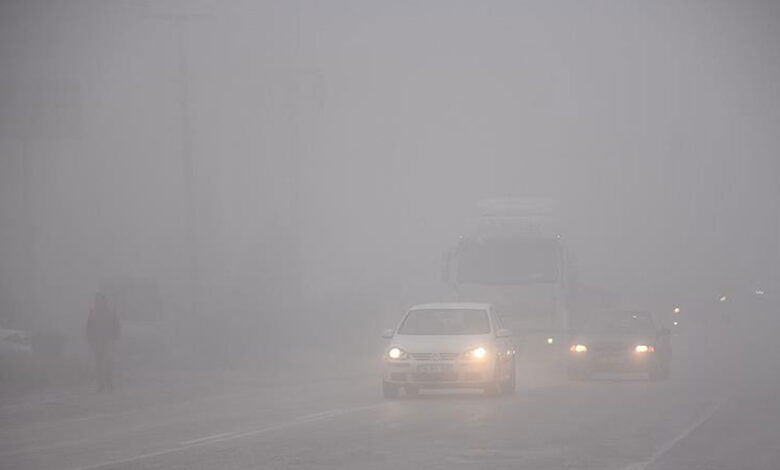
column 261, row 188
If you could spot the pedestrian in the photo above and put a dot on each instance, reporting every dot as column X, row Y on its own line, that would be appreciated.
column 103, row 330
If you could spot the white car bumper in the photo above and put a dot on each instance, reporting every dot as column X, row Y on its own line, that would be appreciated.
column 443, row 374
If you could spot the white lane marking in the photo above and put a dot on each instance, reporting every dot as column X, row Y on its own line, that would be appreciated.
column 65, row 444
column 207, row 438
column 685, row 433
column 233, row 436
column 69, row 421
column 325, row 414
column 316, row 416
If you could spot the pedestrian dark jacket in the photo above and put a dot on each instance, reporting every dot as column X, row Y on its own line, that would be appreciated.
column 103, row 326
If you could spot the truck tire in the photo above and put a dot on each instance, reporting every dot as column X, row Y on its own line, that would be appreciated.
column 660, row 371
column 577, row 373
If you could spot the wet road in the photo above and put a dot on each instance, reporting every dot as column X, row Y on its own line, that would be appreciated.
column 609, row 423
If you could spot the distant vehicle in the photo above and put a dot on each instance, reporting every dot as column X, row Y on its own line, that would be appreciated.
column 513, row 257
column 15, row 342
column 620, row 342
column 449, row 345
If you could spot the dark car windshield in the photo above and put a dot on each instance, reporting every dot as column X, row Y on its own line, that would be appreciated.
column 620, row 323
column 445, row 322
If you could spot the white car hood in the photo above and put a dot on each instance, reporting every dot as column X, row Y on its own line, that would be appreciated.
column 440, row 343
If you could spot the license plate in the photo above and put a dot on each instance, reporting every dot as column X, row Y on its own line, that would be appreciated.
column 612, row 360
column 434, row 367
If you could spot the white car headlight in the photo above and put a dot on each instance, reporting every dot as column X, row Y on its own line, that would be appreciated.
column 578, row 348
column 476, row 353
column 397, row 353
column 643, row 348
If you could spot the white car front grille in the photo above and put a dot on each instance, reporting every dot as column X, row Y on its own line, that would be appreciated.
column 435, row 356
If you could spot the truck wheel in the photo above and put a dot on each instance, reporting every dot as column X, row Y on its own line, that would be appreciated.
column 389, row 391
column 576, row 373
column 667, row 370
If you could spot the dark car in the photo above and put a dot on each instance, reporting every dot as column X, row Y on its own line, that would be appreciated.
column 620, row 342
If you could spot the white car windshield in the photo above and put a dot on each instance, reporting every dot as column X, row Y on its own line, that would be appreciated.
column 445, row 322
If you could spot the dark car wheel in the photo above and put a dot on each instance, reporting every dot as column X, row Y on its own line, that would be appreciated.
column 389, row 391
column 510, row 386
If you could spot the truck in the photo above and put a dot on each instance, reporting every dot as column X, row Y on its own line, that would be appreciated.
column 514, row 256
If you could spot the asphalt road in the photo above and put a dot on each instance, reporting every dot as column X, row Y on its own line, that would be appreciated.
column 718, row 411
column 698, row 419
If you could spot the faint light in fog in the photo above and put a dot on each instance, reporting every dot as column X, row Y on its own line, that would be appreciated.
column 723, row 298
column 550, row 340
column 759, row 292
column 676, row 323
column 676, row 309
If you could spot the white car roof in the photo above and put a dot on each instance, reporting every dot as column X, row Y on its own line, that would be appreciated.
column 452, row 306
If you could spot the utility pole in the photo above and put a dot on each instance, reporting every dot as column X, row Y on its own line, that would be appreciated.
column 188, row 168
column 180, row 22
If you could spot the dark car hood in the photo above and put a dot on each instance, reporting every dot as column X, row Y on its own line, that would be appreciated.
column 616, row 337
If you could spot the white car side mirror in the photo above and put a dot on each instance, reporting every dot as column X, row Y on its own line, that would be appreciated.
column 387, row 334
column 503, row 333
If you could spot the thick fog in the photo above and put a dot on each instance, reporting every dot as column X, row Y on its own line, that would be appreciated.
column 260, row 186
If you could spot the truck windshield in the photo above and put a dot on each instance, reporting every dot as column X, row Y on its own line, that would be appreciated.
column 445, row 322
column 508, row 261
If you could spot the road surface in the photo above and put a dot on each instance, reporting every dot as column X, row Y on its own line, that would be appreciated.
column 697, row 419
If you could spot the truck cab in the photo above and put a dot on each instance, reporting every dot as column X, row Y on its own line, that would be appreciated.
column 515, row 260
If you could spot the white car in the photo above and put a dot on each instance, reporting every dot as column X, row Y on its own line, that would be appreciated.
column 449, row 345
